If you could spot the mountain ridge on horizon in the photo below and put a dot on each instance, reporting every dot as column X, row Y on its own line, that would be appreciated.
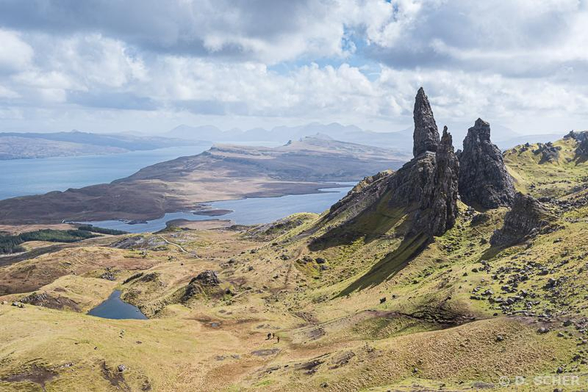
column 401, row 140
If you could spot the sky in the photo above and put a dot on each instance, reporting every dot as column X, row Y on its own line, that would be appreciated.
column 150, row 65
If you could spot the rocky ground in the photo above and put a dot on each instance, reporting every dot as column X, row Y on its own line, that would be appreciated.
column 383, row 292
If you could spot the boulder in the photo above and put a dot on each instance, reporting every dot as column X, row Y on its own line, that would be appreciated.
column 525, row 219
column 206, row 278
column 483, row 179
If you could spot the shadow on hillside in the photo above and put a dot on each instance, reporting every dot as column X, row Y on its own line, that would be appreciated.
column 371, row 224
column 390, row 265
column 492, row 252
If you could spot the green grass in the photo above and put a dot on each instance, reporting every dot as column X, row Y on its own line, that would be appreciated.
column 12, row 243
column 389, row 265
column 551, row 179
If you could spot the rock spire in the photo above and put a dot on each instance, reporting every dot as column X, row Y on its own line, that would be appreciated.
column 483, row 180
column 426, row 135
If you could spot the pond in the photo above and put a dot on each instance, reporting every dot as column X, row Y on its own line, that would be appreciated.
column 115, row 308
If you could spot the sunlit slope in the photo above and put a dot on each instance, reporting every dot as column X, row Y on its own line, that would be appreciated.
column 356, row 305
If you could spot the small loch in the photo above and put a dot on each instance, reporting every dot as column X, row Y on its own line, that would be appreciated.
column 115, row 308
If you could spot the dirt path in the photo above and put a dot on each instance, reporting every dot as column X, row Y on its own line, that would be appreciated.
column 174, row 244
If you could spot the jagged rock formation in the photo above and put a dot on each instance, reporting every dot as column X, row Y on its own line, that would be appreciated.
column 430, row 180
column 549, row 152
column 207, row 278
column 483, row 180
column 445, row 194
column 426, row 135
column 425, row 188
column 526, row 218
column 582, row 139
column 197, row 285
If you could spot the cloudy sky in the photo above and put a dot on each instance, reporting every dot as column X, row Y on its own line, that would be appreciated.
column 150, row 65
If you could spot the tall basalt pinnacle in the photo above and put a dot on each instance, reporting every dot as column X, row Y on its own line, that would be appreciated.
column 426, row 134
column 483, row 180
column 446, row 187
column 438, row 202
column 418, row 201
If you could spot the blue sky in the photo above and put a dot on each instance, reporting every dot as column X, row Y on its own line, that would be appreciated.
column 148, row 65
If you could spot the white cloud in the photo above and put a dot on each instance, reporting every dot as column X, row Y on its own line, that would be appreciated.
column 507, row 60
column 15, row 54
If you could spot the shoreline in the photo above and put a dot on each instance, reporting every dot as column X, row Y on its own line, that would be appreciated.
column 205, row 207
column 184, row 205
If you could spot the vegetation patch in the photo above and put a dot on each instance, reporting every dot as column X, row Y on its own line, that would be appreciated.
column 12, row 243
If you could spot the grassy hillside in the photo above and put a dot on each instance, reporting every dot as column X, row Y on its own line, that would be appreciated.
column 356, row 307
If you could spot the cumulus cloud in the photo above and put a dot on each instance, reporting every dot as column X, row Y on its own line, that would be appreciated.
column 510, row 37
column 355, row 61
column 266, row 30
column 15, row 54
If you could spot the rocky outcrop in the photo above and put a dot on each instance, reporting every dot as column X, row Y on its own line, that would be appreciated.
column 483, row 180
column 582, row 147
column 527, row 218
column 48, row 301
column 432, row 180
column 445, row 194
column 204, row 280
column 425, row 190
column 549, row 152
column 426, row 135
column 364, row 194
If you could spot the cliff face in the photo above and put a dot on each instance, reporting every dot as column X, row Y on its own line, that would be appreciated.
column 483, row 180
column 425, row 188
column 445, row 194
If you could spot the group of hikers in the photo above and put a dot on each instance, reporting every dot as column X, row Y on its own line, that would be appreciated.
column 272, row 335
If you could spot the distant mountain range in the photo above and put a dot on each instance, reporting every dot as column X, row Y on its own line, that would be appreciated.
column 75, row 143
column 400, row 141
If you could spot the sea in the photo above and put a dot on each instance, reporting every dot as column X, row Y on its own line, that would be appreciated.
column 23, row 177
